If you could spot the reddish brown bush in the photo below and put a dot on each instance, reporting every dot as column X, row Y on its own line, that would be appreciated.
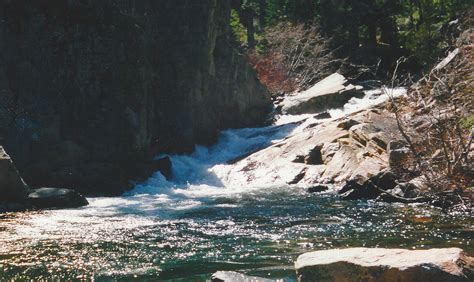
column 294, row 57
column 273, row 72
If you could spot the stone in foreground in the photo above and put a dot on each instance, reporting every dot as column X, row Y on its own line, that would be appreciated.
column 231, row 276
column 376, row 264
column 45, row 198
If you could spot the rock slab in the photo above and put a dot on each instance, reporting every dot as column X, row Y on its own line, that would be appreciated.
column 56, row 198
column 377, row 264
column 15, row 194
column 333, row 152
column 331, row 92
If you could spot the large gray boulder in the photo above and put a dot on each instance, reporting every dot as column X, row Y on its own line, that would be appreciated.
column 371, row 188
column 332, row 92
column 45, row 198
column 15, row 195
column 12, row 186
column 377, row 264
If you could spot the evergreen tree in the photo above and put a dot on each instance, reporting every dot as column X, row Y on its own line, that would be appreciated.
column 410, row 24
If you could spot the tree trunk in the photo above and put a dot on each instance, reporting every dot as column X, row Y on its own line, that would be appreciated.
column 262, row 5
column 388, row 34
column 246, row 17
column 354, row 36
column 351, row 25
column 251, row 32
column 372, row 33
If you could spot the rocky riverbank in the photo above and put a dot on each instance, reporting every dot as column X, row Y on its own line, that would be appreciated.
column 411, row 148
column 327, row 152
column 16, row 195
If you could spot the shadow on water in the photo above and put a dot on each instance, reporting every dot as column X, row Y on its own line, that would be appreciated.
column 260, row 233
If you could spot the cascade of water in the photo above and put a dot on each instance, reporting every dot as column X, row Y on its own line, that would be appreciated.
column 202, row 173
column 199, row 179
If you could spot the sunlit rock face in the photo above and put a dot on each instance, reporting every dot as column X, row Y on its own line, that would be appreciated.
column 88, row 89
column 332, row 92
column 334, row 151
column 365, row 264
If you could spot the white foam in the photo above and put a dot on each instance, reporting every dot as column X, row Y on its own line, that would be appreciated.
column 204, row 173
column 371, row 98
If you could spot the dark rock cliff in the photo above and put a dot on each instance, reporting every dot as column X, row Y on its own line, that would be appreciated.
column 91, row 90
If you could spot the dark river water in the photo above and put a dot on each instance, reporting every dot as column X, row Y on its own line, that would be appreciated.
column 259, row 233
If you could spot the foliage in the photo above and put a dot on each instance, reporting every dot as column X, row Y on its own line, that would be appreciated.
column 237, row 28
column 436, row 120
column 467, row 122
column 415, row 26
column 421, row 25
column 296, row 56
column 273, row 72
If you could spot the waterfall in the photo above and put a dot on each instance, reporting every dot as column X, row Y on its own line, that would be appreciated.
column 202, row 174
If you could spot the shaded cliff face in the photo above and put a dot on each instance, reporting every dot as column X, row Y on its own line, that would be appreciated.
column 90, row 89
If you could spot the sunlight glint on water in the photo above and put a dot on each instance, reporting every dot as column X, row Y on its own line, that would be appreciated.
column 198, row 223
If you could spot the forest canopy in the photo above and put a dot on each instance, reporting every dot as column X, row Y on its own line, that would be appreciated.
column 413, row 27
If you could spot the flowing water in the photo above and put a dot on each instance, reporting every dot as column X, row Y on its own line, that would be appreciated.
column 197, row 223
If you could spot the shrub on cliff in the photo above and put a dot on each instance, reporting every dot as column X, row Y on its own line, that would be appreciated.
column 293, row 56
column 436, row 119
column 373, row 33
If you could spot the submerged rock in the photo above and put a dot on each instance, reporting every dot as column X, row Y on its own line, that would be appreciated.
column 231, row 276
column 318, row 189
column 388, row 187
column 385, row 180
column 45, row 198
column 377, row 264
column 15, row 194
column 163, row 165
column 331, row 92
column 355, row 191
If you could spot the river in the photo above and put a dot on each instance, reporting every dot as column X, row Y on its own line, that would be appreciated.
column 201, row 221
